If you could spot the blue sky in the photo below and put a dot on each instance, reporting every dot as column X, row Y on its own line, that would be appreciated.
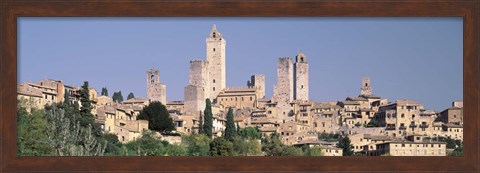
column 406, row 58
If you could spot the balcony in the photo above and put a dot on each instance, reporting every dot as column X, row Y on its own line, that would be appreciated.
column 412, row 125
column 402, row 128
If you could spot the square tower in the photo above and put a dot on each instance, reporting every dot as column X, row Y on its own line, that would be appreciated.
column 216, row 72
column 258, row 81
column 301, row 78
column 283, row 90
column 155, row 90
column 366, row 89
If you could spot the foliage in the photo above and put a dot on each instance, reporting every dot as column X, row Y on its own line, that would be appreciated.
column 314, row 151
column 457, row 152
column 158, row 117
column 200, row 123
column 221, row 147
column 176, row 150
column 450, row 143
column 117, row 97
column 247, row 147
column 272, row 146
column 31, row 134
column 230, row 131
column 86, row 109
column 329, row 137
column 70, row 140
column 291, row 151
column 130, row 96
column 373, row 123
column 104, row 91
column 114, row 147
column 146, row 145
column 208, row 119
column 249, row 133
column 197, row 144
column 345, row 143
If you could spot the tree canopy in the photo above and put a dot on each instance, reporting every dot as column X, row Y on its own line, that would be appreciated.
column 158, row 117
column 130, row 96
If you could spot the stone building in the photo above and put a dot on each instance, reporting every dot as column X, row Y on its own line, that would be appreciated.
column 366, row 89
column 238, row 97
column 283, row 89
column 300, row 76
column 258, row 81
column 156, row 91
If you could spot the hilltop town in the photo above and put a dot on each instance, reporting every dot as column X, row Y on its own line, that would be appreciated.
column 374, row 125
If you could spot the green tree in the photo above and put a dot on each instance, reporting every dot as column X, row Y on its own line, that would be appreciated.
column 146, row 145
column 117, row 97
column 31, row 133
column 66, row 98
column 314, row 151
column 200, row 124
column 130, row 96
column 114, row 147
column 271, row 145
column 104, row 91
column 230, row 131
column 291, row 151
column 246, row 147
column 158, row 117
column 176, row 150
column 249, row 133
column 346, row 145
column 70, row 140
column 197, row 144
column 208, row 119
column 221, row 147
column 86, row 109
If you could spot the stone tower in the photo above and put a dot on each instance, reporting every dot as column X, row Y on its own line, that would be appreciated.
column 195, row 90
column 258, row 81
column 283, row 90
column 216, row 72
column 366, row 89
column 155, row 90
column 300, row 78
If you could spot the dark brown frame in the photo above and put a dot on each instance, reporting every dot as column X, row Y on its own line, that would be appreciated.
column 10, row 10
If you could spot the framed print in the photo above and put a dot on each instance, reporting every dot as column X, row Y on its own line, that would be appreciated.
column 239, row 86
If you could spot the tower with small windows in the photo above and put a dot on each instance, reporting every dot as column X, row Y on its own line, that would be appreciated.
column 366, row 89
column 300, row 76
column 156, row 91
column 216, row 72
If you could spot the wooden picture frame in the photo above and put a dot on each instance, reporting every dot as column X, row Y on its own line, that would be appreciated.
column 11, row 10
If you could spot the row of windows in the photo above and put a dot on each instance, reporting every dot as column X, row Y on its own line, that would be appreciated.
column 236, row 99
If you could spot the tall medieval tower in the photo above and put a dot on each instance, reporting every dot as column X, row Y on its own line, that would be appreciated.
column 155, row 90
column 283, row 90
column 216, row 73
column 301, row 78
column 366, row 89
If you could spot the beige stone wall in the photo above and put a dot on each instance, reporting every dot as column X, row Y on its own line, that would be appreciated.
column 194, row 99
column 258, row 81
column 283, row 90
column 301, row 78
column 417, row 149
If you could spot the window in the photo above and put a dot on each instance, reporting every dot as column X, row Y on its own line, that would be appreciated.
column 403, row 145
column 413, row 116
column 213, row 80
column 403, row 115
column 214, row 49
column 302, row 86
column 152, row 78
column 251, row 98
column 213, row 88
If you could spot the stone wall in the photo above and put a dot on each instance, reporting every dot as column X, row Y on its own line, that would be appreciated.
column 301, row 78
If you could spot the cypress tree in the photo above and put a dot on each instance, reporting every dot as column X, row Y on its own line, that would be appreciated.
column 130, row 96
column 230, row 127
column 208, row 123
column 86, row 108
column 104, row 91
column 200, row 124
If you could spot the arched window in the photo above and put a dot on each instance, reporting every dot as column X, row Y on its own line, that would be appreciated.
column 152, row 78
column 214, row 79
column 214, row 49
column 214, row 35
